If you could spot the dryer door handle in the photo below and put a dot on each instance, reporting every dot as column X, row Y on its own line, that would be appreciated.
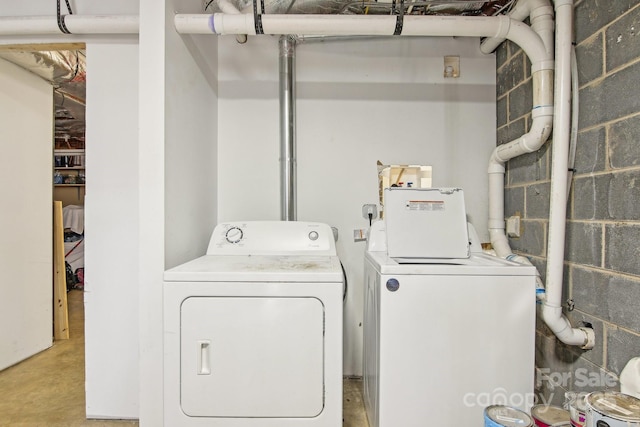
column 204, row 357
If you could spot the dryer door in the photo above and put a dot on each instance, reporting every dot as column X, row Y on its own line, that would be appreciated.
column 252, row 357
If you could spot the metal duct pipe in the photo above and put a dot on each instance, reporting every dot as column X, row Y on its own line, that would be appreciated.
column 288, row 178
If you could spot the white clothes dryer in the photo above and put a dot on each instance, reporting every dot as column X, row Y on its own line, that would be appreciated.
column 253, row 329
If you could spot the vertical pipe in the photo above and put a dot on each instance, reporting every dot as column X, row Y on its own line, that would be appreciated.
column 560, row 151
column 552, row 307
column 288, row 179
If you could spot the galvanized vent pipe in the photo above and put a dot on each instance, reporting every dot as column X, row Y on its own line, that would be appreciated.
column 288, row 178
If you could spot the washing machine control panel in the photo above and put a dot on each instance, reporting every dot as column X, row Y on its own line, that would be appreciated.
column 272, row 238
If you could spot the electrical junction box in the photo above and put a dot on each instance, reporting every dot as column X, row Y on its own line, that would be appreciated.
column 425, row 223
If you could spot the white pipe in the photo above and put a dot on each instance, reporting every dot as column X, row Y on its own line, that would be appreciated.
column 542, row 114
column 497, row 234
column 76, row 24
column 542, row 23
column 552, row 307
column 227, row 7
column 366, row 25
column 575, row 110
column 531, row 141
column 540, row 13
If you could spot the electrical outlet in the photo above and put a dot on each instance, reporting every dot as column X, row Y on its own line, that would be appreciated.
column 359, row 235
column 369, row 209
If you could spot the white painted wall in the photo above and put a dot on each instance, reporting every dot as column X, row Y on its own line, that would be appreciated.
column 112, row 223
column 26, row 256
column 112, row 244
column 358, row 102
column 191, row 120
column 178, row 189
column 151, row 191
column 248, row 131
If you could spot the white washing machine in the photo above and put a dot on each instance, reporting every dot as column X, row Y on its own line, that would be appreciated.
column 253, row 329
column 444, row 338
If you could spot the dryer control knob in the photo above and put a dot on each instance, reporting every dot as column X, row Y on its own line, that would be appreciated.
column 313, row 235
column 234, row 235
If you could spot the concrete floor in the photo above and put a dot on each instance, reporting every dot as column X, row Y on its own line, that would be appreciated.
column 48, row 388
column 353, row 414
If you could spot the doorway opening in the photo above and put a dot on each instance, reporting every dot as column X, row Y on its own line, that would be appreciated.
column 63, row 67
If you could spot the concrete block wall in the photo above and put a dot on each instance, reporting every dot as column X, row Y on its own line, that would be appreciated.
column 602, row 250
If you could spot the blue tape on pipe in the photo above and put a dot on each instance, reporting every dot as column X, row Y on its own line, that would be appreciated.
column 212, row 26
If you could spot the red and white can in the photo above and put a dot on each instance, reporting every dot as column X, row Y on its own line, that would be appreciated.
column 577, row 408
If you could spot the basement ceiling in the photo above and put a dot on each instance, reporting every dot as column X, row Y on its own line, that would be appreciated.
column 64, row 66
column 369, row 7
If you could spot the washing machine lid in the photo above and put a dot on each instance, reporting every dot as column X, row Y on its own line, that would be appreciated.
column 258, row 268
column 426, row 223
column 478, row 264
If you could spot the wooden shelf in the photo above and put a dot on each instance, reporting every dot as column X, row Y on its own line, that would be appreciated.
column 70, row 152
column 69, row 185
column 72, row 168
column 68, row 159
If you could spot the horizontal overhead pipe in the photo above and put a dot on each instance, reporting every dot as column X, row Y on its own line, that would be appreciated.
column 76, row 24
column 366, row 25
column 222, row 23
